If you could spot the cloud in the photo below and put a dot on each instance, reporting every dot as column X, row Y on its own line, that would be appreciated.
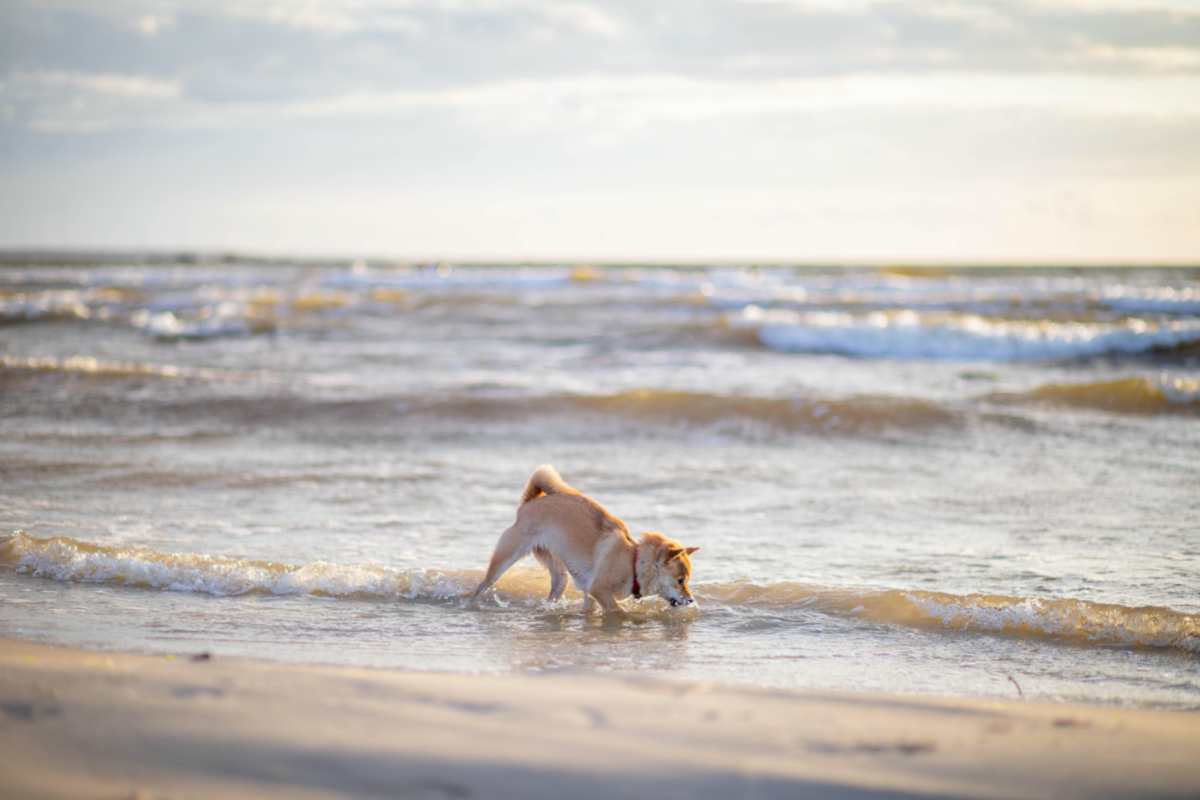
column 98, row 83
column 585, row 18
column 62, row 101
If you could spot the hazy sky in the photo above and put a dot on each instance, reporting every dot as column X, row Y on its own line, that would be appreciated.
column 1046, row 130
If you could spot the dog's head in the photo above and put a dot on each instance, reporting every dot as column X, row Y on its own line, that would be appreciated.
column 670, row 569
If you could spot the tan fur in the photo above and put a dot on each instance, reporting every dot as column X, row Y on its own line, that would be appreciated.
column 569, row 533
column 545, row 480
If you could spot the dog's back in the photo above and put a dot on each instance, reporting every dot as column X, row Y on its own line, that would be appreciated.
column 559, row 501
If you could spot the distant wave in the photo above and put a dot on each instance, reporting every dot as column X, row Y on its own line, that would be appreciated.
column 1135, row 395
column 15, row 308
column 1050, row 297
column 1064, row 620
column 855, row 414
column 209, row 322
column 167, row 318
column 908, row 335
column 879, row 314
column 1152, row 299
column 450, row 279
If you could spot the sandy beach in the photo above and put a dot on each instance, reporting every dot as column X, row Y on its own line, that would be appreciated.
column 80, row 724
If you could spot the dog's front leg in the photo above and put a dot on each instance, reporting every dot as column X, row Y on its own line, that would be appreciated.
column 608, row 603
column 587, row 603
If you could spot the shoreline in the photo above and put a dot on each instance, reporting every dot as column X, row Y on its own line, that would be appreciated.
column 84, row 724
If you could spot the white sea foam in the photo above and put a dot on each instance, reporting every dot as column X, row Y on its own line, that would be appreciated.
column 218, row 320
column 44, row 305
column 71, row 560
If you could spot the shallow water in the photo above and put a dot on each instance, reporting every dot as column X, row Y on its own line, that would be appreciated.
column 937, row 481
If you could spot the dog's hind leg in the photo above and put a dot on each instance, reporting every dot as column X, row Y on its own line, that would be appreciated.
column 557, row 570
column 512, row 547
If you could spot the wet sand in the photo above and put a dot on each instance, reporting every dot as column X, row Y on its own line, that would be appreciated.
column 79, row 724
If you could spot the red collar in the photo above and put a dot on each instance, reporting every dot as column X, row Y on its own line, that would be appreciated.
column 637, row 590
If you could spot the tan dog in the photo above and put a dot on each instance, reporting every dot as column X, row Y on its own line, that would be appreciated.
column 572, row 534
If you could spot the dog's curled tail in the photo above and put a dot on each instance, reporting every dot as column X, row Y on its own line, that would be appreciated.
column 545, row 480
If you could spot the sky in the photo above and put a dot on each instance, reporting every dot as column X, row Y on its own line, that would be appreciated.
column 1012, row 131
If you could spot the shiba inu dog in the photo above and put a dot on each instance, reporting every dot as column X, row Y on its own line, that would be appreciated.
column 572, row 534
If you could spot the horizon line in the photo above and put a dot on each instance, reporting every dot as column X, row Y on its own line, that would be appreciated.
column 42, row 255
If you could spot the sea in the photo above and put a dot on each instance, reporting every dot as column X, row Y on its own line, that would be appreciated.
column 941, row 481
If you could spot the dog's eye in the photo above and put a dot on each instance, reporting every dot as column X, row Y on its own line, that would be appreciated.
column 681, row 581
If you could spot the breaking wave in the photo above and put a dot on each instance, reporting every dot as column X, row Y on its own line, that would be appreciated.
column 65, row 559
column 1057, row 619
column 910, row 335
column 208, row 322
column 1063, row 620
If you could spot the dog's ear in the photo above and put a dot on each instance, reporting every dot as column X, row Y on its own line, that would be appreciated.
column 673, row 552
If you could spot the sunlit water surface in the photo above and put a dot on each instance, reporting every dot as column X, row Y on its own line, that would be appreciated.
column 936, row 482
